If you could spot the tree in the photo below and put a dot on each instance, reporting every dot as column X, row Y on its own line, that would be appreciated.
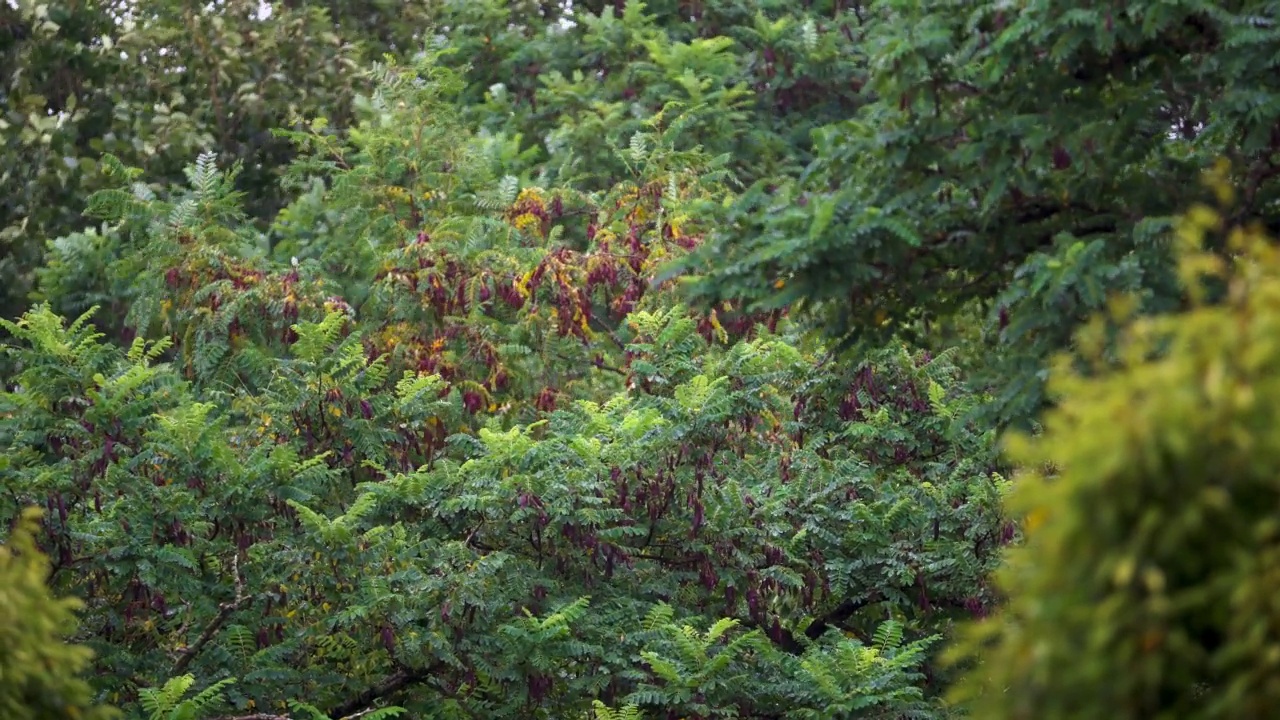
column 1025, row 160
column 154, row 84
column 1145, row 585
column 39, row 671
column 754, row 76
column 443, row 442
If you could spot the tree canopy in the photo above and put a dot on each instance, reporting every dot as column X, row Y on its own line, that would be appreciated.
column 1024, row 158
column 721, row 359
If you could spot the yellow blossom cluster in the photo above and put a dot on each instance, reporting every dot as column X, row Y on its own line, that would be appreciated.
column 528, row 223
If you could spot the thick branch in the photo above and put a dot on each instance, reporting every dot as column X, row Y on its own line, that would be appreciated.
column 842, row 612
column 397, row 681
column 271, row 716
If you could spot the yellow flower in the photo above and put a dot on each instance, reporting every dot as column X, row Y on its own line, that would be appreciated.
column 530, row 194
column 528, row 223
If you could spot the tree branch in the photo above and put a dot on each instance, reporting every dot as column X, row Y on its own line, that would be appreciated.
column 842, row 612
column 356, row 706
column 224, row 612
column 271, row 716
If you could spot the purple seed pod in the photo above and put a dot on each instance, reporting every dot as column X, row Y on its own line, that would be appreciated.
column 708, row 576
column 1007, row 533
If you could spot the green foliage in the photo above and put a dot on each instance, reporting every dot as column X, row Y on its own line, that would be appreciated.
column 556, row 88
column 457, row 360
column 153, row 84
column 168, row 703
column 600, row 711
column 449, row 445
column 756, row 76
column 39, row 672
column 1145, row 586
column 176, row 503
column 1024, row 160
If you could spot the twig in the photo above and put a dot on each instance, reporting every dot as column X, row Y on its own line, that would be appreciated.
column 360, row 714
column 472, row 534
column 224, row 612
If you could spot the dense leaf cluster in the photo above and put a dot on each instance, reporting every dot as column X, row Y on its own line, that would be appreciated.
column 497, row 359
column 1145, row 586
column 1024, row 159
column 458, row 450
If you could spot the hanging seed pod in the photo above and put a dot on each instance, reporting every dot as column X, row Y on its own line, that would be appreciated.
column 708, row 576
column 975, row 607
column 1061, row 158
column 538, row 685
column 472, row 401
column 546, row 401
column 1007, row 533
column 775, row 631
